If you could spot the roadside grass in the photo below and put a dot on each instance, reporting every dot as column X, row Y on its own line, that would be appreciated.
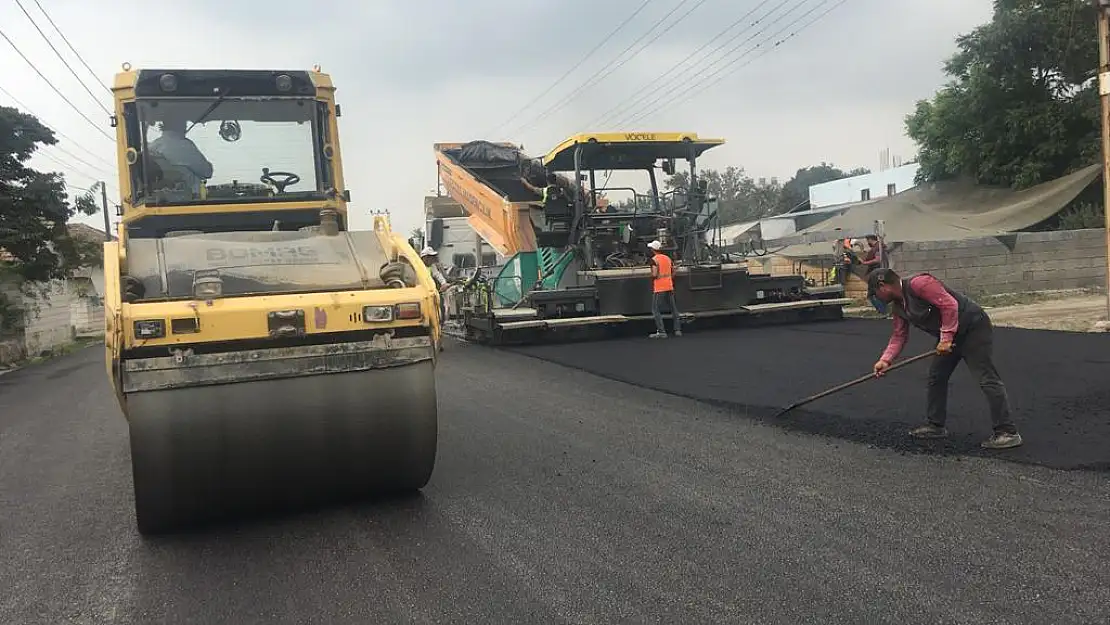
column 50, row 354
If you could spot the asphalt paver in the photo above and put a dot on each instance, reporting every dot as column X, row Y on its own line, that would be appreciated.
column 558, row 497
column 1059, row 384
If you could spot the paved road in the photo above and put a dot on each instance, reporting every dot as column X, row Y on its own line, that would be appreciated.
column 560, row 497
column 1057, row 383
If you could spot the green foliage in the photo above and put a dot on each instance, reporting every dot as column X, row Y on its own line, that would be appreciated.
column 10, row 315
column 742, row 198
column 796, row 190
column 1021, row 107
column 1081, row 216
column 34, row 207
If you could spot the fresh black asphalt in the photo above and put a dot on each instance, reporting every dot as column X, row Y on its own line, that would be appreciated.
column 1059, row 384
column 561, row 497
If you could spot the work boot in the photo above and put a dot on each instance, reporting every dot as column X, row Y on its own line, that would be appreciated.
column 658, row 335
column 929, row 431
column 1003, row 440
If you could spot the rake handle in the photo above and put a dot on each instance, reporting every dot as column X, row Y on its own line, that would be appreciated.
column 859, row 380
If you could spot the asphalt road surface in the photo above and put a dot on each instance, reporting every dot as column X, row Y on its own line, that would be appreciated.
column 1058, row 382
column 559, row 497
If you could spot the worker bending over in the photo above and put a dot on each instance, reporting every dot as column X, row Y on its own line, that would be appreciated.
column 662, row 286
column 964, row 332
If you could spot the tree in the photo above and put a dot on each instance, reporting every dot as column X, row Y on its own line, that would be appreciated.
column 1021, row 106
column 796, row 190
column 726, row 186
column 33, row 205
column 740, row 198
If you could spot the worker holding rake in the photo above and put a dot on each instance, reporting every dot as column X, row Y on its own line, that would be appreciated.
column 964, row 332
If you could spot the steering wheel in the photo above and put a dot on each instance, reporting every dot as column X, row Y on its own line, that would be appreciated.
column 289, row 179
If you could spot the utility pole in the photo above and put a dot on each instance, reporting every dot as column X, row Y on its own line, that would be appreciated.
column 1103, row 8
column 104, row 206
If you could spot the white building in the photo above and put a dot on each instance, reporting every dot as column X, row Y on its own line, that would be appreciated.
column 41, row 317
column 863, row 188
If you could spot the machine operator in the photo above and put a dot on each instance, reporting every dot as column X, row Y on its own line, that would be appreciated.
column 181, row 154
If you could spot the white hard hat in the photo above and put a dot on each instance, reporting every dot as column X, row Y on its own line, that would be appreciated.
column 655, row 245
column 428, row 251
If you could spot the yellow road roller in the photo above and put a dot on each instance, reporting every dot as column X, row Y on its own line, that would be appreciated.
column 263, row 353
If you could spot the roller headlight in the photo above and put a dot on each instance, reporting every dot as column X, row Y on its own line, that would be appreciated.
column 150, row 329
column 377, row 314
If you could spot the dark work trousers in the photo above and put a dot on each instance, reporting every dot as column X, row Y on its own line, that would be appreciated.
column 975, row 346
column 657, row 300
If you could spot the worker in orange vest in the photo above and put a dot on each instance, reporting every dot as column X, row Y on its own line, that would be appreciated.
column 662, row 286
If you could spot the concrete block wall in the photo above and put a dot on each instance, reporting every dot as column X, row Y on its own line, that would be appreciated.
column 11, row 341
column 810, row 268
column 47, row 323
column 1038, row 261
column 58, row 313
column 87, row 318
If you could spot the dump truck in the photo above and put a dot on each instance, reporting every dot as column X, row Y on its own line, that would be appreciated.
column 579, row 264
column 263, row 353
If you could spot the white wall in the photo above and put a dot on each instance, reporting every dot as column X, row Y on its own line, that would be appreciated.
column 59, row 312
column 773, row 228
column 86, row 318
column 847, row 190
column 47, row 321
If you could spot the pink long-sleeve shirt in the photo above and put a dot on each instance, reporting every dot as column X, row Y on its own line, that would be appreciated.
column 931, row 290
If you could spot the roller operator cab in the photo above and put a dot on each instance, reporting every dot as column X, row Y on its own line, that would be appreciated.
column 263, row 353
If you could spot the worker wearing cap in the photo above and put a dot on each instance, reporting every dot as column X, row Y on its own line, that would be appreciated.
column 662, row 286
column 964, row 332
column 548, row 192
column 431, row 261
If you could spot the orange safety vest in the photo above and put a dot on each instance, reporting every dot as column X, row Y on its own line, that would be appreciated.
column 664, row 282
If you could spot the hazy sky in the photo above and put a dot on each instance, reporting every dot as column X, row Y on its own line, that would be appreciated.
column 416, row 72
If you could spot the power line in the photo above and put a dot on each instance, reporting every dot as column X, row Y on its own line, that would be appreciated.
column 81, row 160
column 591, row 80
column 645, row 92
column 597, row 47
column 633, row 113
column 71, row 48
column 55, row 130
column 63, row 60
column 598, row 75
column 760, row 55
column 47, row 80
column 65, row 165
column 765, row 51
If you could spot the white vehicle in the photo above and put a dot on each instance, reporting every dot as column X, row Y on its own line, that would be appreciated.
column 460, row 247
